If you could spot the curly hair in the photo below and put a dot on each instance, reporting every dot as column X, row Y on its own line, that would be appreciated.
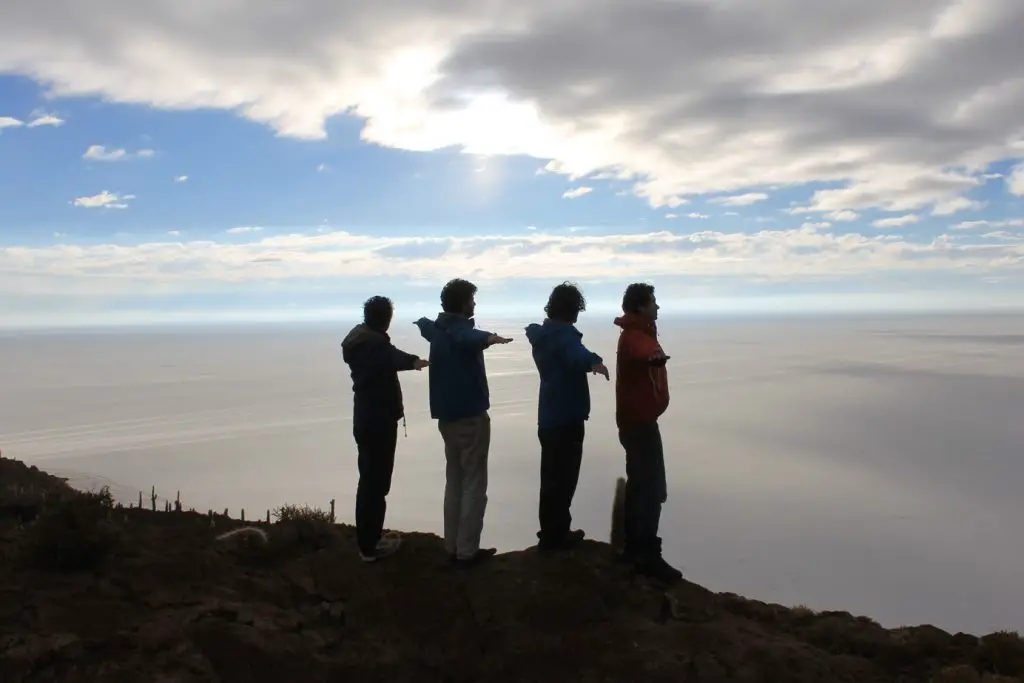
column 636, row 296
column 456, row 294
column 565, row 303
column 377, row 312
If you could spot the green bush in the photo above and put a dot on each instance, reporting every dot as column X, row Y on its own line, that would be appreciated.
column 71, row 535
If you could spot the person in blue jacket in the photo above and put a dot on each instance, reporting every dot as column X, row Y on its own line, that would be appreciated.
column 459, row 401
column 564, row 406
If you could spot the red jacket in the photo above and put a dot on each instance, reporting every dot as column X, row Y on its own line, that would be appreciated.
column 641, row 387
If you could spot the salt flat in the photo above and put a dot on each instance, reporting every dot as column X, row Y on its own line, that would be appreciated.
column 869, row 464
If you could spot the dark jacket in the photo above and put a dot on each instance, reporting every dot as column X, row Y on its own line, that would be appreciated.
column 458, row 378
column 375, row 364
column 641, row 384
column 563, row 363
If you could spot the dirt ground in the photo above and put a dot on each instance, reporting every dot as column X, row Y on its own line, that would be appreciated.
column 92, row 592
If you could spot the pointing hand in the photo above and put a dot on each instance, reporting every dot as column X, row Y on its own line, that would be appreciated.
column 419, row 364
column 600, row 369
column 496, row 339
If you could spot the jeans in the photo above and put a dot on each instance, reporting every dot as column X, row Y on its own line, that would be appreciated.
column 646, row 488
column 376, row 443
column 466, row 446
column 561, row 454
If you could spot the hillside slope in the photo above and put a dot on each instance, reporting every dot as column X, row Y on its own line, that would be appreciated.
column 90, row 592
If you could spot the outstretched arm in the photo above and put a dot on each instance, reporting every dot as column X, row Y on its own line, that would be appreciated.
column 640, row 348
column 402, row 360
column 579, row 357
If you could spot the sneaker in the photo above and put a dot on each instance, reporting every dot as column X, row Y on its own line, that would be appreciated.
column 570, row 541
column 480, row 556
column 388, row 545
column 658, row 569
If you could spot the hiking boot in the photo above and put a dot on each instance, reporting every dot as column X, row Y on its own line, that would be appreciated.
column 570, row 541
column 658, row 569
column 386, row 546
column 479, row 556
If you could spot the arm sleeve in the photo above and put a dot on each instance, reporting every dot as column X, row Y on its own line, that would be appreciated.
column 426, row 328
column 402, row 360
column 469, row 339
column 578, row 356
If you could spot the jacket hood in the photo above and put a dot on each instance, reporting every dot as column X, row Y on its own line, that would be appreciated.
column 447, row 321
column 540, row 334
column 635, row 321
column 360, row 334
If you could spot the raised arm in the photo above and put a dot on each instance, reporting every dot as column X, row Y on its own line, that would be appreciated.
column 426, row 327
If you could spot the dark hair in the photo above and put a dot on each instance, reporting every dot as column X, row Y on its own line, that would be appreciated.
column 377, row 312
column 456, row 295
column 565, row 303
column 636, row 296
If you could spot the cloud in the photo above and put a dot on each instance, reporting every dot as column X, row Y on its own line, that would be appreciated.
column 321, row 168
column 9, row 122
column 45, row 120
column 697, row 215
column 104, row 200
column 181, row 179
column 896, row 221
column 577, row 192
column 671, row 216
column 781, row 255
column 843, row 216
column 741, row 199
column 1015, row 183
column 1007, row 223
column 101, row 153
column 956, row 204
column 244, row 229
column 173, row 233
column 900, row 108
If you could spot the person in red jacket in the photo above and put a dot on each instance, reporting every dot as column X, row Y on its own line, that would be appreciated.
column 641, row 397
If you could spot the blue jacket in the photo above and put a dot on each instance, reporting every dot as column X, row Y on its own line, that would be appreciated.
column 563, row 363
column 458, row 379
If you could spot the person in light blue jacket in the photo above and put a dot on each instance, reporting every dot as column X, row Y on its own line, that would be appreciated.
column 459, row 401
column 563, row 407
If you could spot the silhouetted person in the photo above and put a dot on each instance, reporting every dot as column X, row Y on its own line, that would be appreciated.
column 376, row 409
column 563, row 407
column 459, row 401
column 641, row 397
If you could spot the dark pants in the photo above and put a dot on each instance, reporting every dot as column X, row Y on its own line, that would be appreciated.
column 646, row 488
column 561, row 454
column 376, row 443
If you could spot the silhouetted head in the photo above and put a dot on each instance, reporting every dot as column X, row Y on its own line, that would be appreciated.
column 459, row 296
column 565, row 303
column 639, row 299
column 377, row 313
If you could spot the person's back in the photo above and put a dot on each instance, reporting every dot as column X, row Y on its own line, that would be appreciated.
column 563, row 407
column 459, row 401
column 374, row 364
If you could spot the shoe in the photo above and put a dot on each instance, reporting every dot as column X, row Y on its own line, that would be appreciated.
column 388, row 545
column 657, row 568
column 570, row 541
column 480, row 556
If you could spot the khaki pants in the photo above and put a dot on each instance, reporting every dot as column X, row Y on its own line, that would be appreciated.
column 466, row 445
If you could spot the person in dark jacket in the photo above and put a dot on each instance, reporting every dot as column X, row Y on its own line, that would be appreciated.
column 563, row 407
column 459, row 401
column 641, row 397
column 376, row 410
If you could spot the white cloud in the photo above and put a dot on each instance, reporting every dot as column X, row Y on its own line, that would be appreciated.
column 242, row 229
column 101, row 153
column 791, row 254
column 104, row 200
column 956, row 204
column 695, row 214
column 741, row 199
column 10, row 122
column 843, row 216
column 821, row 225
column 181, row 179
column 577, row 192
column 45, row 119
column 173, row 233
column 671, row 216
column 1007, row 223
column 321, row 168
column 1015, row 183
column 896, row 221
column 681, row 98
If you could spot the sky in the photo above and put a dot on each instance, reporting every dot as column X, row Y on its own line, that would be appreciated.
column 219, row 161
